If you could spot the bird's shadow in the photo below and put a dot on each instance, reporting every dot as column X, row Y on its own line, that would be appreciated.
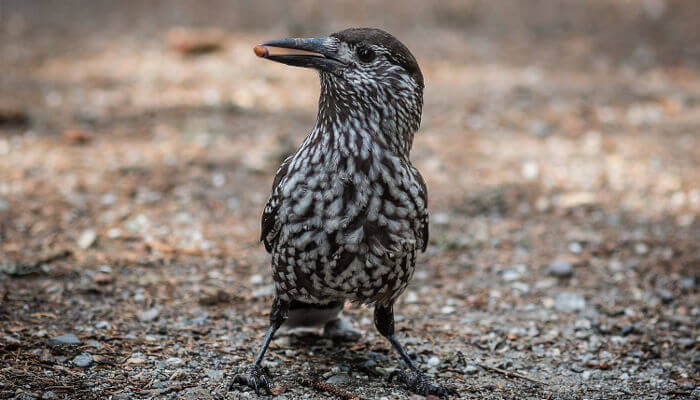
column 325, row 352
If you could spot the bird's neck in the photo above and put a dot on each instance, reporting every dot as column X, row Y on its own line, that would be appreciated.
column 348, row 116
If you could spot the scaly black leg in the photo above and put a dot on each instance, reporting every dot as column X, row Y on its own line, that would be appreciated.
column 257, row 377
column 414, row 379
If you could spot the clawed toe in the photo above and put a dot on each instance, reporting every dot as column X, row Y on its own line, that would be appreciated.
column 255, row 378
column 418, row 383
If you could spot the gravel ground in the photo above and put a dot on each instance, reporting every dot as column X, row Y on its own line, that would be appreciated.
column 136, row 157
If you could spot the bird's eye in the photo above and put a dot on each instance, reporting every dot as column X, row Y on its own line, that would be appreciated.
column 365, row 54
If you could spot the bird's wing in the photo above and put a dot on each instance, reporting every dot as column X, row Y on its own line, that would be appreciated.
column 268, row 223
column 421, row 230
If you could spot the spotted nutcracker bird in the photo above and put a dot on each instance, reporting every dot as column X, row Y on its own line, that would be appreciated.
column 348, row 211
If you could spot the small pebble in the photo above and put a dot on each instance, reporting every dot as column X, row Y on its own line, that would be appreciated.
column 666, row 296
column 433, row 361
column 175, row 362
column 338, row 379
column 178, row 375
column 688, row 283
column 530, row 170
column 94, row 343
column 114, row 233
column 561, row 268
column 510, row 275
column 87, row 239
column 69, row 339
column 569, row 302
column 628, row 329
column 641, row 248
column 83, row 360
column 11, row 340
column 369, row 364
column 108, row 199
column 471, row 369
column 103, row 325
column 411, row 297
column 447, row 310
column 576, row 368
column 215, row 374
column 575, row 247
column 148, row 315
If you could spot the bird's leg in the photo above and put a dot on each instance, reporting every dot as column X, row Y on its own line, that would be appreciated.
column 414, row 379
column 257, row 377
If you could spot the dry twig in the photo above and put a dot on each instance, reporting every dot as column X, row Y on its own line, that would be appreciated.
column 325, row 387
column 509, row 373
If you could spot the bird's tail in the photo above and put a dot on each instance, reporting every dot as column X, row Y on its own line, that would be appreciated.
column 302, row 314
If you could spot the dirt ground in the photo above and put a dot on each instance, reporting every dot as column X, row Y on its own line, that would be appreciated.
column 560, row 143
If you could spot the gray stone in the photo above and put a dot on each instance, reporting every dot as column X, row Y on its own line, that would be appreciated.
column 197, row 393
column 11, row 340
column 148, row 315
column 628, row 329
column 215, row 374
column 471, row 369
column 69, row 339
column 94, row 343
column 49, row 395
column 688, row 283
column 587, row 374
column 83, row 360
column 175, row 362
column 575, row 247
column 540, row 128
column 178, row 375
column 561, row 268
column 510, row 275
column 337, row 379
column 569, row 302
column 433, row 361
column 665, row 295
column 103, row 325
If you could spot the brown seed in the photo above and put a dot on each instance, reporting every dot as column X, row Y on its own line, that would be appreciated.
column 77, row 136
column 261, row 51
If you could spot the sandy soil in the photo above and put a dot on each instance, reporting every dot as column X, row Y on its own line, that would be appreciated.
column 561, row 147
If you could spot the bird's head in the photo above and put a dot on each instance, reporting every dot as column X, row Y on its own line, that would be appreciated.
column 367, row 76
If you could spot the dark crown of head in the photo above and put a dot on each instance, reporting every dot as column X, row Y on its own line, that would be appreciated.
column 398, row 53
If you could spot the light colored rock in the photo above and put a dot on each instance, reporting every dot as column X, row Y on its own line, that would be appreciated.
column 87, row 239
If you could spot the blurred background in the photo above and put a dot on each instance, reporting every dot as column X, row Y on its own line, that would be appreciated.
column 560, row 142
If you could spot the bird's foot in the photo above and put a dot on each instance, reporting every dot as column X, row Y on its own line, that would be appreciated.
column 341, row 329
column 418, row 383
column 256, row 378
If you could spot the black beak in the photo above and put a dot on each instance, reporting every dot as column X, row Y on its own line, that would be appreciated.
column 321, row 59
